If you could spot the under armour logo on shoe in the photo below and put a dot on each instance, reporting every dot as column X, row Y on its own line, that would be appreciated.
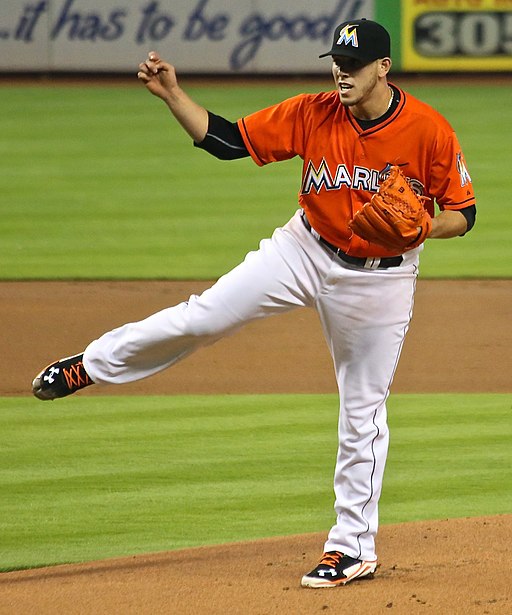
column 50, row 376
column 331, row 571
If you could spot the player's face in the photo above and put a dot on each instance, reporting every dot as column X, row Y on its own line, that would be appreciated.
column 354, row 80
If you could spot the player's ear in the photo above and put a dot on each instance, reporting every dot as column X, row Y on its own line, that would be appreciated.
column 384, row 66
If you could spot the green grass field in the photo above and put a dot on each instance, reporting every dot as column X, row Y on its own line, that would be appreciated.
column 88, row 478
column 100, row 182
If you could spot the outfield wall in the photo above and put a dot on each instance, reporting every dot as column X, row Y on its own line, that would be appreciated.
column 247, row 36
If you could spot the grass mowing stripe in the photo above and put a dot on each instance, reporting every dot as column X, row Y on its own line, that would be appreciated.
column 89, row 478
column 449, row 457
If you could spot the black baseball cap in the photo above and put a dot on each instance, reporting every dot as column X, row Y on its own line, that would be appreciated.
column 361, row 39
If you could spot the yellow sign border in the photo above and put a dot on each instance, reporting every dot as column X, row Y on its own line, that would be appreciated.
column 413, row 61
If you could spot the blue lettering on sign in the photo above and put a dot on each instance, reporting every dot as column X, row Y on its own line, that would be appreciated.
column 89, row 26
column 199, row 25
column 256, row 29
column 155, row 24
column 25, row 29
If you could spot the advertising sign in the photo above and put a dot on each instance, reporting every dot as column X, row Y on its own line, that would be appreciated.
column 198, row 36
column 457, row 35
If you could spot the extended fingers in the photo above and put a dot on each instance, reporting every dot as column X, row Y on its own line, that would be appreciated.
column 150, row 67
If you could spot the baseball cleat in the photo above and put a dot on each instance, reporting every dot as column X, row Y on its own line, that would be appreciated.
column 61, row 378
column 336, row 569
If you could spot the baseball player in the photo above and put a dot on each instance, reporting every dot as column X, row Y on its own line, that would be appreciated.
column 347, row 252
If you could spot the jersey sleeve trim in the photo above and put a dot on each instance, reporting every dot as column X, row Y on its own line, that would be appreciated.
column 248, row 143
column 460, row 205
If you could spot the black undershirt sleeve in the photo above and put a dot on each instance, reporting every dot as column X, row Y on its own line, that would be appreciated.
column 470, row 214
column 223, row 139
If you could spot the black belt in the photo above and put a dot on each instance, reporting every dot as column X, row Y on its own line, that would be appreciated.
column 372, row 262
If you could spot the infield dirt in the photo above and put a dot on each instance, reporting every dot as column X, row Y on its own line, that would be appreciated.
column 460, row 341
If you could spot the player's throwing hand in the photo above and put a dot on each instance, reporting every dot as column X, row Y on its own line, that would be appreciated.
column 159, row 77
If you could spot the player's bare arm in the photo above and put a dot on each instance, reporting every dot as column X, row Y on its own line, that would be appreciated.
column 160, row 79
column 448, row 224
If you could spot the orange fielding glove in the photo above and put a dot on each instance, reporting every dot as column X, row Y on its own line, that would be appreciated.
column 395, row 217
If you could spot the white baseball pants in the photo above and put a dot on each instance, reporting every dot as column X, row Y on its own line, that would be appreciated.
column 365, row 315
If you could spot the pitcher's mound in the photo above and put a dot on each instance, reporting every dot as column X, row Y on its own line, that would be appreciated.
column 449, row 567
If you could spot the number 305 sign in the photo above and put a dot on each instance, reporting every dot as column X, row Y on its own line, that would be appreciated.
column 445, row 35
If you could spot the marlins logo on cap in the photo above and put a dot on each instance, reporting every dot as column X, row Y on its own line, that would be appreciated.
column 361, row 39
column 348, row 36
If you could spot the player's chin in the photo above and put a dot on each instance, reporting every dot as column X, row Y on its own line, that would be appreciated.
column 347, row 97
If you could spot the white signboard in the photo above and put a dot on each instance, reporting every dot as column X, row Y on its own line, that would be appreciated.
column 198, row 36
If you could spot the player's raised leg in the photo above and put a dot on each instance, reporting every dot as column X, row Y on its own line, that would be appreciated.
column 278, row 277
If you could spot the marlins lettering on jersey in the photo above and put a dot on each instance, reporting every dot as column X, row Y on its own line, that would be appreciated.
column 361, row 178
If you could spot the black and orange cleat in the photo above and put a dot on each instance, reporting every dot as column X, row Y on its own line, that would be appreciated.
column 337, row 569
column 61, row 378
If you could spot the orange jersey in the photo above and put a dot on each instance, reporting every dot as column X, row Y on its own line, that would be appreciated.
column 344, row 165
